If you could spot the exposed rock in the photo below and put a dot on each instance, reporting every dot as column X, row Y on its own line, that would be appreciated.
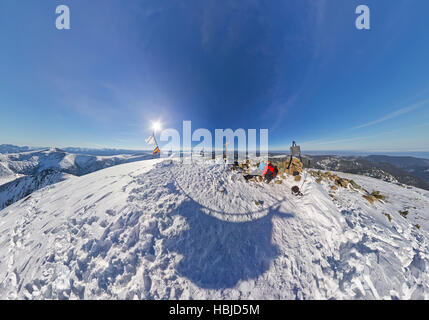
column 355, row 185
column 342, row 182
column 376, row 194
column 370, row 198
column 313, row 173
column 295, row 168
column 404, row 213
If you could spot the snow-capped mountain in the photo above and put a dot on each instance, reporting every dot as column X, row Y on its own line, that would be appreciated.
column 23, row 173
column 167, row 230
column 103, row 152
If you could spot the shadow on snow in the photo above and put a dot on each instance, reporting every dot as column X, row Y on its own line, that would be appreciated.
column 218, row 254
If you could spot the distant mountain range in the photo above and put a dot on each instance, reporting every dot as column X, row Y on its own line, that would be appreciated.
column 103, row 152
column 415, row 166
column 405, row 170
column 9, row 148
column 25, row 172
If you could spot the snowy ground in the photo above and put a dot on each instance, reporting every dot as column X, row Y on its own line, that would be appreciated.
column 165, row 230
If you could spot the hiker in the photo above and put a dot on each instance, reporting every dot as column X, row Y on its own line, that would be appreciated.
column 269, row 172
column 262, row 165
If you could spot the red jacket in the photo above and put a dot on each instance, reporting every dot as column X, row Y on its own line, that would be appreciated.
column 268, row 168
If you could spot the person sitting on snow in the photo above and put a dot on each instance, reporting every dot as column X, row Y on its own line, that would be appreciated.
column 269, row 172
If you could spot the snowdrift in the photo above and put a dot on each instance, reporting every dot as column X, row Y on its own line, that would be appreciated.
column 167, row 230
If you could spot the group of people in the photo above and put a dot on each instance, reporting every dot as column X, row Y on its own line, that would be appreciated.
column 269, row 171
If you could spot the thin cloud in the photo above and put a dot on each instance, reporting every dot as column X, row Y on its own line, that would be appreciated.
column 328, row 142
column 325, row 143
column 394, row 114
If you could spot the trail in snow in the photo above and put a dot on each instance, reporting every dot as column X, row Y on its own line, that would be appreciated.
column 166, row 230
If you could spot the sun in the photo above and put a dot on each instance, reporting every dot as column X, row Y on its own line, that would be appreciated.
column 156, row 126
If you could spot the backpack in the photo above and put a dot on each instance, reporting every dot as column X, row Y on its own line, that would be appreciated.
column 296, row 191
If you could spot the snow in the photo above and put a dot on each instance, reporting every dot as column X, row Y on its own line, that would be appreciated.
column 158, row 229
column 32, row 162
column 23, row 173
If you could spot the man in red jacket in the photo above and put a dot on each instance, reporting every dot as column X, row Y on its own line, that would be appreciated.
column 269, row 172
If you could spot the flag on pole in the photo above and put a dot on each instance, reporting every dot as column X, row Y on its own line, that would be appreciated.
column 151, row 140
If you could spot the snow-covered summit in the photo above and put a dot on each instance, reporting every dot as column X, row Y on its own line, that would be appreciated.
column 25, row 172
column 166, row 230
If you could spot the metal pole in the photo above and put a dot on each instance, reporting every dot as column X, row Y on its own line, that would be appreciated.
column 154, row 138
column 156, row 142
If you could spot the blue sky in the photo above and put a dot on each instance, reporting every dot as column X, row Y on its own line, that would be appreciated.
column 299, row 68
